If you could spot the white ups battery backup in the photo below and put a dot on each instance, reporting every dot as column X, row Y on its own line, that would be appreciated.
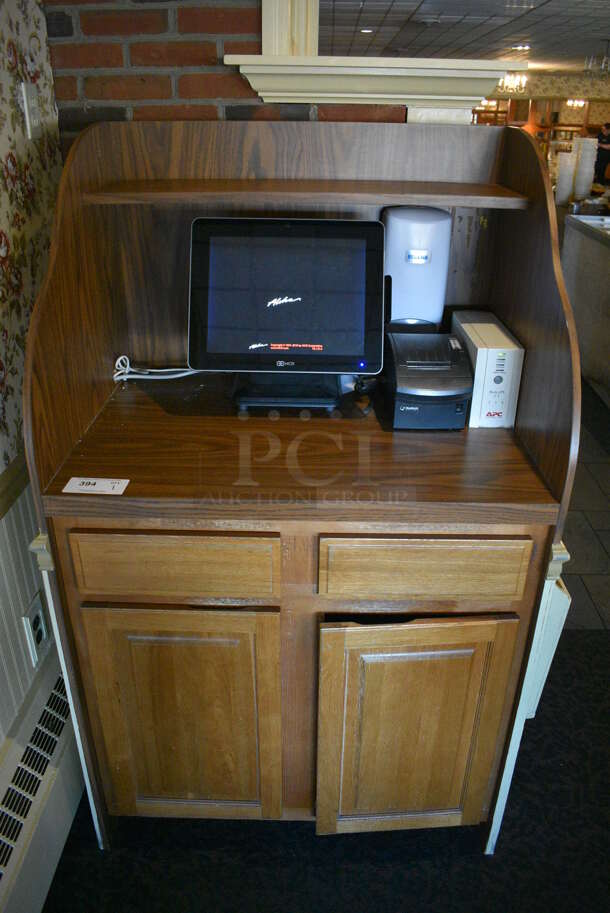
column 497, row 359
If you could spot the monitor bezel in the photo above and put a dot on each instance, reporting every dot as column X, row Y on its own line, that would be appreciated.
column 370, row 362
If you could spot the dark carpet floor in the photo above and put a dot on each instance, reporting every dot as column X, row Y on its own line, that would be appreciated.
column 551, row 857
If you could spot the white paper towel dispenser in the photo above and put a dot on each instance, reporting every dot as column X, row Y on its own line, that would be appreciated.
column 417, row 241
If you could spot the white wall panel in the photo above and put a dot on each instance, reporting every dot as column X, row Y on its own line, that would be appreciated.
column 19, row 581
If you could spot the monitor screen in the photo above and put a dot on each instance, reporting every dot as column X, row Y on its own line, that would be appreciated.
column 286, row 295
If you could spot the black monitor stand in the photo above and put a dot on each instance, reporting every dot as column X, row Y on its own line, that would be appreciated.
column 289, row 391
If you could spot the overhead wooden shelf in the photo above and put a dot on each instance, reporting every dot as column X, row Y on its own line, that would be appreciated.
column 181, row 192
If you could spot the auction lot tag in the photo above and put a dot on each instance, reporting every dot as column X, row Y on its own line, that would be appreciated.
column 80, row 486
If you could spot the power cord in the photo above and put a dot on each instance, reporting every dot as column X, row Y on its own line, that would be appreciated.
column 123, row 370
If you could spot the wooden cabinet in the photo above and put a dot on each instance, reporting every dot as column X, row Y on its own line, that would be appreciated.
column 408, row 721
column 187, row 708
column 184, row 698
column 234, row 540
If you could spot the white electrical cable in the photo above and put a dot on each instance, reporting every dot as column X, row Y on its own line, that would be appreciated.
column 123, row 370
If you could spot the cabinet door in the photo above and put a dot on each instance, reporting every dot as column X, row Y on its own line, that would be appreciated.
column 186, row 705
column 408, row 721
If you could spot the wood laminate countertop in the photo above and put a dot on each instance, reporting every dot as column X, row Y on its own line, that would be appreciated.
column 187, row 454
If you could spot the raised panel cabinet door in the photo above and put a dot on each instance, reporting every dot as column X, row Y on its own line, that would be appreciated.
column 185, row 707
column 408, row 721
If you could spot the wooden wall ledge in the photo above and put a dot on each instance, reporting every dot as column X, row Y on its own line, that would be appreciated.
column 180, row 192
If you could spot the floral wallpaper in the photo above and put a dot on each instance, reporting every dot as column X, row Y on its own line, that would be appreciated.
column 564, row 85
column 29, row 176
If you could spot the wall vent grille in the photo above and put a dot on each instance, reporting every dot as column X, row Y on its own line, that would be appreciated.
column 51, row 722
column 59, row 706
column 17, row 801
column 60, row 686
column 10, row 827
column 26, row 781
column 35, row 761
column 5, row 854
column 43, row 741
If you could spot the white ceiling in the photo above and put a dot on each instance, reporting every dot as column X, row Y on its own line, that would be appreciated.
column 561, row 33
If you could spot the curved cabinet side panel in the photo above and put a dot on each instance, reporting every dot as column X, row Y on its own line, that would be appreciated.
column 529, row 295
column 76, row 325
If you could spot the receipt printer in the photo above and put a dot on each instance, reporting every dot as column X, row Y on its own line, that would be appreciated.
column 428, row 379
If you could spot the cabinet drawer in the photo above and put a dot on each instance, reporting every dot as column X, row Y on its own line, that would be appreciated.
column 441, row 568
column 175, row 565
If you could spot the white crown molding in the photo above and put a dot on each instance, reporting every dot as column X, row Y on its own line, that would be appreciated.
column 416, row 82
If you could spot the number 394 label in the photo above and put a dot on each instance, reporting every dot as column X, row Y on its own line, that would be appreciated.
column 76, row 485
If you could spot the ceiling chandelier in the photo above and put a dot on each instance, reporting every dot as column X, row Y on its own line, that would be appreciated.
column 598, row 66
column 513, row 83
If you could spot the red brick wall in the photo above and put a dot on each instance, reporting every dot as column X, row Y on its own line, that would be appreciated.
column 151, row 60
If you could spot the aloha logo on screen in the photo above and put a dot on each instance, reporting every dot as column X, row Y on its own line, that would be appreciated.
column 285, row 300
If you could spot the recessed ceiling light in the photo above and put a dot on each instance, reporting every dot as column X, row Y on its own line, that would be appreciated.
column 520, row 47
column 366, row 31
